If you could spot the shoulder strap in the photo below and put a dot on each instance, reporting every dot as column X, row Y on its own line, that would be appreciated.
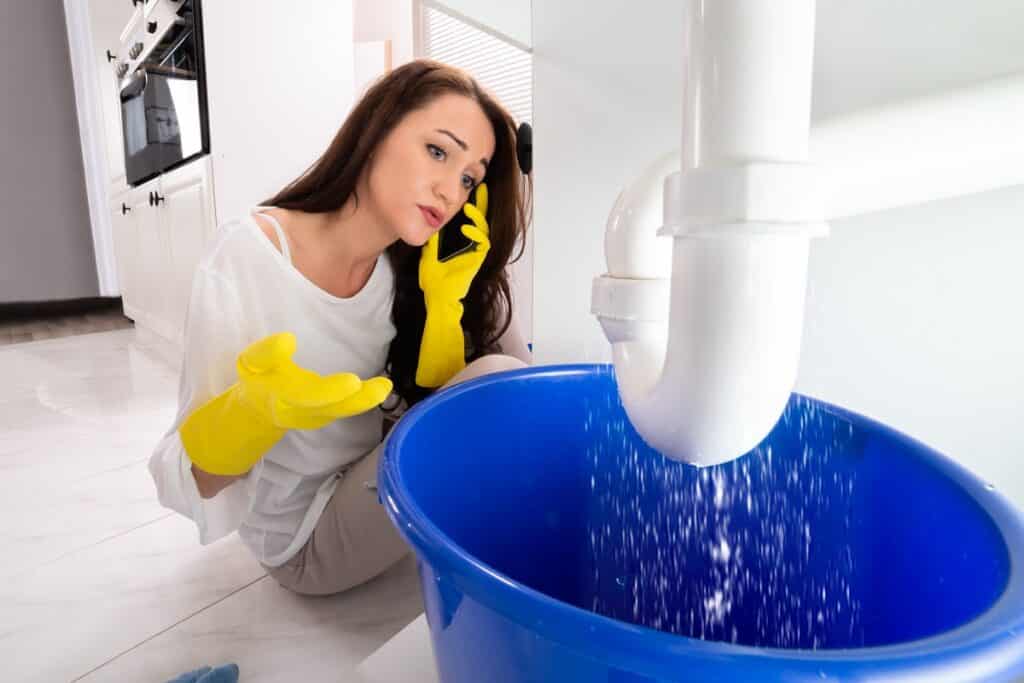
column 280, row 236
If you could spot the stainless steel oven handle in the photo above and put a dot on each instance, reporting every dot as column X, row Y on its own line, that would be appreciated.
column 140, row 74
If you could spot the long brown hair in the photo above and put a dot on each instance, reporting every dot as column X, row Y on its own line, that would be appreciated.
column 329, row 182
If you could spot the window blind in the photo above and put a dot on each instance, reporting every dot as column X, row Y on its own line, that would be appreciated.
column 499, row 65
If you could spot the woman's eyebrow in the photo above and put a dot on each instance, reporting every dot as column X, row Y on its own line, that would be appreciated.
column 460, row 143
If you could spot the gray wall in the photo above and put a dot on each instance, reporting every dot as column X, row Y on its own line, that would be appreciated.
column 48, row 251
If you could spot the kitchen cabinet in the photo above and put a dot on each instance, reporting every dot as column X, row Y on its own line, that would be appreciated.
column 140, row 256
column 160, row 231
column 188, row 222
column 152, row 266
column 126, row 250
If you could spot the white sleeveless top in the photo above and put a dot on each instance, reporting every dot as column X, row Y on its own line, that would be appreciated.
column 244, row 289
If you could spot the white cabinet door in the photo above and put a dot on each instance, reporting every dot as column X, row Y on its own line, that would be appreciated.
column 126, row 252
column 153, row 272
column 142, row 221
column 188, row 219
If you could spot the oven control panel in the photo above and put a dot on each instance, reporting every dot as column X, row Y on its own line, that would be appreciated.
column 150, row 23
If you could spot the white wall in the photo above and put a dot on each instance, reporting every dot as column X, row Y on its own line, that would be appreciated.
column 866, row 52
column 873, row 51
column 605, row 104
column 269, row 120
column 914, row 314
column 914, row 317
column 377, row 20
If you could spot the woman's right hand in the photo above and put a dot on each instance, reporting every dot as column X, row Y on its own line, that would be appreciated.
column 231, row 432
column 292, row 397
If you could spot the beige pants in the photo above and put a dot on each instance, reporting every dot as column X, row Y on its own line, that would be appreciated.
column 354, row 539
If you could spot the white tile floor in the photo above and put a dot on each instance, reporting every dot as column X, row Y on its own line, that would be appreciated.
column 100, row 583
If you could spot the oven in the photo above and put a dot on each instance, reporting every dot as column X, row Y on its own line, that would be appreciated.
column 162, row 87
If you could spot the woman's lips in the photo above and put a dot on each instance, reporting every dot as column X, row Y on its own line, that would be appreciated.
column 432, row 219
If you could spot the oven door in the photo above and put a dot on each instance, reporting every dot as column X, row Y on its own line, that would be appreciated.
column 163, row 101
column 160, row 116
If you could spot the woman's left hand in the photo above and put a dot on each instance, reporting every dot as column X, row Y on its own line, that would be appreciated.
column 445, row 284
column 450, row 280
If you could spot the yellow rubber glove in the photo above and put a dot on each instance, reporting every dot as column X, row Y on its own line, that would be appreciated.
column 445, row 285
column 231, row 432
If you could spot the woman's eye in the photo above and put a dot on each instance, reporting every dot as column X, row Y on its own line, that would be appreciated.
column 467, row 180
column 433, row 148
column 440, row 153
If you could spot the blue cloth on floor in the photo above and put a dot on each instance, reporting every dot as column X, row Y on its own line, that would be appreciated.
column 227, row 673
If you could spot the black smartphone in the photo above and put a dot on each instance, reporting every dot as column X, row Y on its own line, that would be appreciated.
column 452, row 241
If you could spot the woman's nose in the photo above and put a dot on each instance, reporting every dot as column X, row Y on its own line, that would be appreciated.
column 448, row 190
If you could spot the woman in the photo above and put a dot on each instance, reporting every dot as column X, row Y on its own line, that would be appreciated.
column 298, row 310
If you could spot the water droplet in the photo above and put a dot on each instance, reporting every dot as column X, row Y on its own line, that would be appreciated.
column 822, row 674
column 621, row 581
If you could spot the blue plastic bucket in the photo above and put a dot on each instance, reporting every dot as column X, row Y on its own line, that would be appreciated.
column 553, row 545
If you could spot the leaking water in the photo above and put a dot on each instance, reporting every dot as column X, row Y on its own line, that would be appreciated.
column 730, row 552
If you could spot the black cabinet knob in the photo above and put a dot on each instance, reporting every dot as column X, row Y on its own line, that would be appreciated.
column 151, row 199
column 125, row 209
column 110, row 57
column 157, row 198
column 151, row 27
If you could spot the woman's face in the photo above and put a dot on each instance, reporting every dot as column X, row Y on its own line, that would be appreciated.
column 431, row 161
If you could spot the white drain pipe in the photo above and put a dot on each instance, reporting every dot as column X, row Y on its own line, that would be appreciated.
column 706, row 383
column 936, row 146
